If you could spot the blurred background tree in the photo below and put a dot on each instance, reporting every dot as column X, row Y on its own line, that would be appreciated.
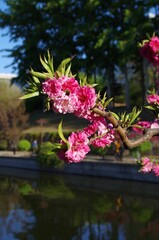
column 103, row 35
column 13, row 116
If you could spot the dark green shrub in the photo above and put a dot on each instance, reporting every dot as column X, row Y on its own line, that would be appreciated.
column 24, row 145
column 99, row 151
column 102, row 151
column 46, row 156
column 144, row 148
column 3, row 145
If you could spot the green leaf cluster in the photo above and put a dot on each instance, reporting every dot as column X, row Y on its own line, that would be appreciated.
column 47, row 154
column 104, row 100
column 127, row 120
column 36, row 78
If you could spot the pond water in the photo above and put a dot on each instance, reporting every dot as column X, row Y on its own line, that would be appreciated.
column 54, row 207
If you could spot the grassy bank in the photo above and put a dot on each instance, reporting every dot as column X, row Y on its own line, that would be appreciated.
column 48, row 122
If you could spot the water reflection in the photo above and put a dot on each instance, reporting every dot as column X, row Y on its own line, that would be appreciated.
column 16, row 217
column 68, row 208
column 99, row 231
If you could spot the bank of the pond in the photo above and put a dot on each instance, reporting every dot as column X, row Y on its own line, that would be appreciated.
column 92, row 166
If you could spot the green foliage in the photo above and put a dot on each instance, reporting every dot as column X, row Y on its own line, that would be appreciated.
column 99, row 151
column 34, row 84
column 13, row 116
column 125, row 119
column 25, row 188
column 144, row 148
column 135, row 91
column 47, row 156
column 57, row 192
column 10, row 94
column 102, row 151
column 3, row 145
column 141, row 213
column 103, row 205
column 24, row 145
column 100, row 43
column 60, row 132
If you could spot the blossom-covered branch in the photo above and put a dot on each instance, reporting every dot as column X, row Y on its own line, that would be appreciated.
column 130, row 143
column 66, row 94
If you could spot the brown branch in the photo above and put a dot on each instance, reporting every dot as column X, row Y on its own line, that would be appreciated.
column 149, row 133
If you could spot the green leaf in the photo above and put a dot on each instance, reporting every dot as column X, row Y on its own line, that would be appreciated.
column 83, row 81
column 60, row 132
column 58, row 74
column 50, row 62
column 46, row 66
column 30, row 95
column 68, row 70
column 150, row 108
column 63, row 64
column 133, row 116
column 127, row 118
column 106, row 103
column 38, row 74
column 114, row 115
column 46, row 104
column 36, row 80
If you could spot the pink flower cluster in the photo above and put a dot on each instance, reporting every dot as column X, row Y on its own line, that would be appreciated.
column 150, row 50
column 101, row 134
column 78, row 147
column 153, row 99
column 145, row 125
column 142, row 126
column 98, row 134
column 67, row 96
column 148, row 166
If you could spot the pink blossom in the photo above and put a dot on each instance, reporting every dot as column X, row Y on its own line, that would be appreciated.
column 62, row 92
column 65, row 84
column 142, row 125
column 92, row 116
column 104, row 136
column 103, row 141
column 69, row 84
column 78, row 147
column 154, row 44
column 86, row 100
column 51, row 87
column 101, row 133
column 147, row 165
column 155, row 125
column 156, row 169
column 146, row 52
column 153, row 99
column 61, row 155
column 65, row 104
column 150, row 50
column 91, row 129
column 89, row 115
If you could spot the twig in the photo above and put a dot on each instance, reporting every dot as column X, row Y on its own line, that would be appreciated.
column 149, row 133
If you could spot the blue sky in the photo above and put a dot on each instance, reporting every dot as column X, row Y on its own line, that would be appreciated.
column 5, row 44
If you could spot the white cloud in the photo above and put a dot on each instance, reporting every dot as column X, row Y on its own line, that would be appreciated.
column 7, row 75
